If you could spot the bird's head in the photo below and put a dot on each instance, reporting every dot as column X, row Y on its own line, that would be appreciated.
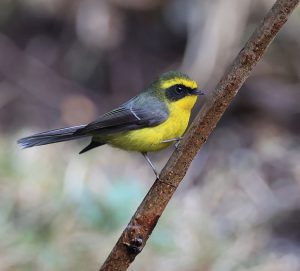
column 178, row 89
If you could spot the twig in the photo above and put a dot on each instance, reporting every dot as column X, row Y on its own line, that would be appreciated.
column 134, row 237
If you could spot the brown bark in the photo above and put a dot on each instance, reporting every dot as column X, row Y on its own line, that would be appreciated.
column 134, row 237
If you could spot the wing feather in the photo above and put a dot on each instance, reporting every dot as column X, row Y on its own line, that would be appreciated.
column 136, row 113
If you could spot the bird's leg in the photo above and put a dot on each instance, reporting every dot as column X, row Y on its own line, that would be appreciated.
column 177, row 139
column 151, row 164
column 155, row 172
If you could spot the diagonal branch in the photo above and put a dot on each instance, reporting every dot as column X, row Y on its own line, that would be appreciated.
column 134, row 237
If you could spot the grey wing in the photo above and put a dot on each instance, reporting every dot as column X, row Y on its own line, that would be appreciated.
column 136, row 113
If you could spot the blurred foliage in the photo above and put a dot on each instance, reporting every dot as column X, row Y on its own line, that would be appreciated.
column 64, row 62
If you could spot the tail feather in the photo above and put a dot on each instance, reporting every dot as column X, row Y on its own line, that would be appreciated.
column 53, row 136
column 92, row 145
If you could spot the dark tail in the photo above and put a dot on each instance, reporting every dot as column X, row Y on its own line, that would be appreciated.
column 49, row 137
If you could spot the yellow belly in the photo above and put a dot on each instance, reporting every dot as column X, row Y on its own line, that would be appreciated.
column 150, row 139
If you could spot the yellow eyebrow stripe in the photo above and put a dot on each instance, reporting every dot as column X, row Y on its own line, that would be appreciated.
column 179, row 81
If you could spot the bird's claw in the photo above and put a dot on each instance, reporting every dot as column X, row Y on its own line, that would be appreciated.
column 177, row 139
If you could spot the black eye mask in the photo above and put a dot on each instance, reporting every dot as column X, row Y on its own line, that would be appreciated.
column 177, row 92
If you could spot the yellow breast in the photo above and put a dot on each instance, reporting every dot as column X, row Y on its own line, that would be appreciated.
column 151, row 139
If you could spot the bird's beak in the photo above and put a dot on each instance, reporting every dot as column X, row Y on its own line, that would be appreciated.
column 197, row 92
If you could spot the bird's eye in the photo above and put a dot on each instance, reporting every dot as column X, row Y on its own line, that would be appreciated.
column 179, row 89
column 176, row 92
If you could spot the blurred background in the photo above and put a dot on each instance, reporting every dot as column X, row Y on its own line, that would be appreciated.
column 65, row 62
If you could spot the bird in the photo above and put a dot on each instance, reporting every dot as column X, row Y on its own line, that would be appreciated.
column 149, row 122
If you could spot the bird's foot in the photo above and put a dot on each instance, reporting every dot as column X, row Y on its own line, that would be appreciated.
column 176, row 139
